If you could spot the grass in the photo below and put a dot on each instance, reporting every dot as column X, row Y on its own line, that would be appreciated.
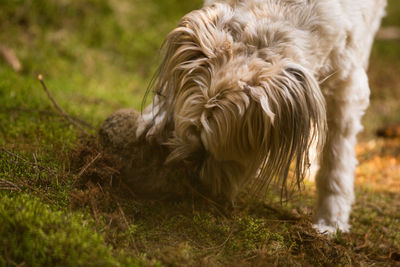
column 98, row 56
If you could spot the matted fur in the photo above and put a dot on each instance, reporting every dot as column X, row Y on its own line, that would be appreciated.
column 245, row 88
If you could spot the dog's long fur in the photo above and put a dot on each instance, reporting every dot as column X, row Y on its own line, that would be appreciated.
column 246, row 87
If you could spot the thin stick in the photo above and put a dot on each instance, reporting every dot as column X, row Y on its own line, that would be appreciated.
column 127, row 225
column 222, row 244
column 37, row 191
column 94, row 209
column 36, row 162
column 83, row 170
column 63, row 113
column 7, row 185
column 83, row 123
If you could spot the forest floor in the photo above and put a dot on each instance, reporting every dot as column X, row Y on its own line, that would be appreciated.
column 98, row 56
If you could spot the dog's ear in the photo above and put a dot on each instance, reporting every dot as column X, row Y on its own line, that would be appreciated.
column 200, row 38
column 199, row 43
column 294, row 108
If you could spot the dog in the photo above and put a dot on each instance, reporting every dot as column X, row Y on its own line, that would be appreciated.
column 246, row 87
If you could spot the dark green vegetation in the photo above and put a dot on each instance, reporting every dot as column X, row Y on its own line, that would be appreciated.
column 98, row 56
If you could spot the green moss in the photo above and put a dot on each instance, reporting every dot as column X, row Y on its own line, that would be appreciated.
column 34, row 234
column 251, row 232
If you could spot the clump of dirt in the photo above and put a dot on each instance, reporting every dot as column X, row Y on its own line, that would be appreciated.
column 94, row 165
column 117, row 160
column 143, row 174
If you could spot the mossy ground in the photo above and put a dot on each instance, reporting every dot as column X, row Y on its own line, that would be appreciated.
column 98, row 56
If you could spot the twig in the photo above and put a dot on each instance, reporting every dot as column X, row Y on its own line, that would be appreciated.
column 366, row 241
column 83, row 170
column 35, row 190
column 127, row 225
column 63, row 113
column 7, row 185
column 94, row 209
column 83, row 123
column 36, row 162
column 222, row 244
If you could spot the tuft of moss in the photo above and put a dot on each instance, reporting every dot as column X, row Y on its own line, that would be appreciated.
column 34, row 234
column 251, row 233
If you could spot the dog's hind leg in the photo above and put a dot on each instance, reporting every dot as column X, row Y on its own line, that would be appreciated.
column 346, row 103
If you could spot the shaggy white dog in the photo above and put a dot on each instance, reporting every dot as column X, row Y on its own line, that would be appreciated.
column 246, row 87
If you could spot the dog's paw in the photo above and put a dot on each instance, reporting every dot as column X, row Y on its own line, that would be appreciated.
column 322, row 227
column 332, row 213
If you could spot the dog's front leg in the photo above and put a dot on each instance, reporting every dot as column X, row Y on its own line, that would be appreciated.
column 346, row 102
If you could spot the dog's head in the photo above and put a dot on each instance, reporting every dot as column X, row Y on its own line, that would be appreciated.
column 247, row 111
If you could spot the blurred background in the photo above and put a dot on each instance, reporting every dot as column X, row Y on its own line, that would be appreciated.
column 99, row 55
column 96, row 55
